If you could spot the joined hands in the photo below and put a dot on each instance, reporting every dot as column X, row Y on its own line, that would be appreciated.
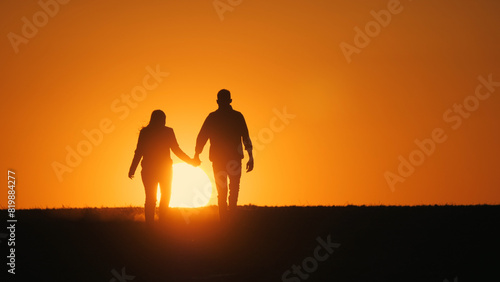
column 195, row 161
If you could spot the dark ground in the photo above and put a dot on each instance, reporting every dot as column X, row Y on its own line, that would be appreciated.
column 427, row 243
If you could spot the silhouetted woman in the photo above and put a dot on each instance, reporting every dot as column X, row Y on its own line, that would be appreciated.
column 154, row 145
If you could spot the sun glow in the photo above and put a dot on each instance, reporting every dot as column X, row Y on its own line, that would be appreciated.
column 191, row 187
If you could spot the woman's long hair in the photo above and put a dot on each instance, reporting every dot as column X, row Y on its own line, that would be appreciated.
column 158, row 118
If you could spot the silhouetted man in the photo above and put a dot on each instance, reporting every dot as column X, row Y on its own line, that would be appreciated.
column 225, row 128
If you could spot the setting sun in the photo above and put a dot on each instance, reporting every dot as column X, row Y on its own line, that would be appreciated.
column 191, row 187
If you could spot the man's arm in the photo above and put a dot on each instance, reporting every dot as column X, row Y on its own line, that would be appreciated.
column 202, row 138
column 248, row 144
column 250, row 162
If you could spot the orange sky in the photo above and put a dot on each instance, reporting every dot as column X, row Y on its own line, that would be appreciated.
column 354, row 115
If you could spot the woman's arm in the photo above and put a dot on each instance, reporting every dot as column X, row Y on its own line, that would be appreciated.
column 137, row 157
column 183, row 156
column 179, row 153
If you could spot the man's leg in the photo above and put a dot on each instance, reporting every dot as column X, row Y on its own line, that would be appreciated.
column 166, row 190
column 234, row 173
column 220, row 175
column 150, row 186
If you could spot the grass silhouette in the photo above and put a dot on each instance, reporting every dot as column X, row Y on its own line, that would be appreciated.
column 379, row 243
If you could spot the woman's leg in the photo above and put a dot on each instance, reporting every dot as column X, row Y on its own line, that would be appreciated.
column 166, row 190
column 150, row 186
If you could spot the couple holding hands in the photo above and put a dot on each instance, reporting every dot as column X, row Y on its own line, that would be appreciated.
column 226, row 129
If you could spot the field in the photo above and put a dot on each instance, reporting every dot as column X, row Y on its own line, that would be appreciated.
column 424, row 243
